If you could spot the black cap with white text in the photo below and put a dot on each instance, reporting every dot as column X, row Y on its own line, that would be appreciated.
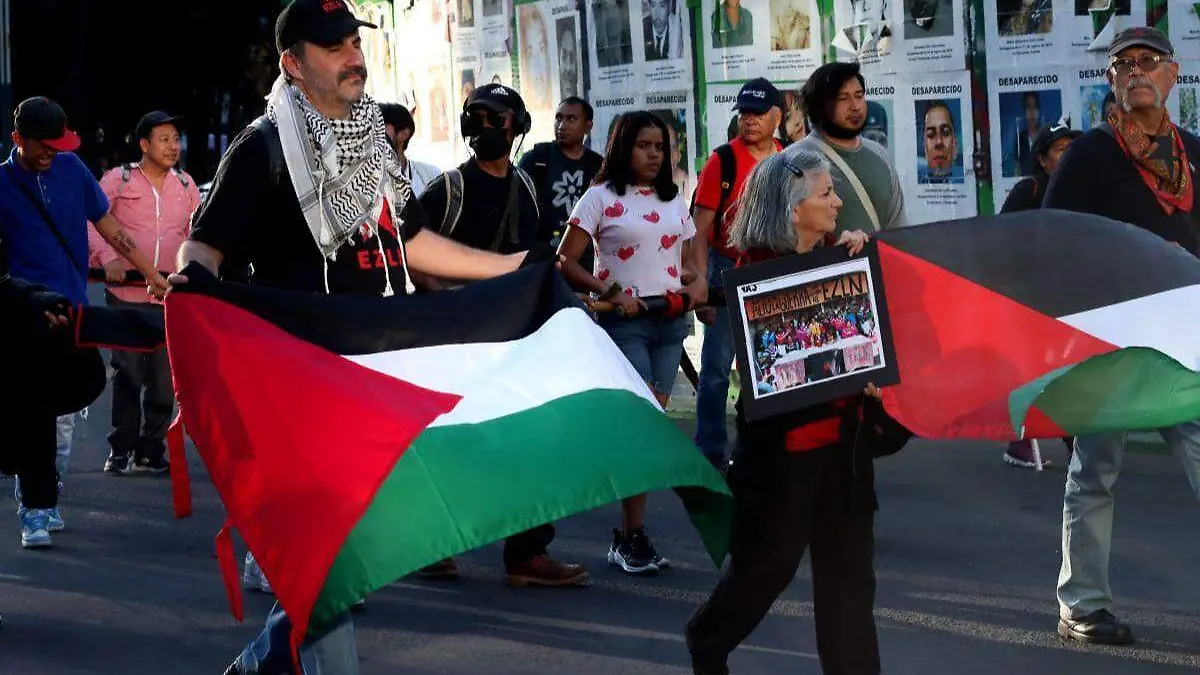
column 758, row 96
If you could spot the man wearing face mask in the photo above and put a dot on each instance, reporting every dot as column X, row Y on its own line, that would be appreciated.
column 863, row 175
column 1139, row 168
column 489, row 203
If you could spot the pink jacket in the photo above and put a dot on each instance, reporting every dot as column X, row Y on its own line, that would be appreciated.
column 158, row 223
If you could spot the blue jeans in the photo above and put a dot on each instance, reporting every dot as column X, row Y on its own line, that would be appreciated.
column 332, row 652
column 716, row 360
column 653, row 344
column 1083, row 585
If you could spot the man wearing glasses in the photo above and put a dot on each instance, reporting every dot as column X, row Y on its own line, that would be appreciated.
column 1140, row 168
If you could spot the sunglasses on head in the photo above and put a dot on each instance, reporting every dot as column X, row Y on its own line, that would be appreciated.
column 795, row 170
column 1148, row 63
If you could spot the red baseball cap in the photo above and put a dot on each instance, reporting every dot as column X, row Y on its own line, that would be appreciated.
column 40, row 119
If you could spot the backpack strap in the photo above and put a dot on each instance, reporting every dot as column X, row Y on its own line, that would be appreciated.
column 454, row 201
column 728, row 165
column 182, row 178
column 270, row 134
column 528, row 181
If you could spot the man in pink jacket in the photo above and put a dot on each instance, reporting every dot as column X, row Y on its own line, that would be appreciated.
column 154, row 202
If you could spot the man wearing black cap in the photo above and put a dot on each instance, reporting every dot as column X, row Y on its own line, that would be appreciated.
column 311, row 197
column 1048, row 147
column 154, row 201
column 863, row 175
column 47, row 198
column 760, row 110
column 491, row 204
column 1139, row 168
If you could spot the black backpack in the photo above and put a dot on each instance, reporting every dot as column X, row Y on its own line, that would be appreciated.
column 728, row 164
column 270, row 134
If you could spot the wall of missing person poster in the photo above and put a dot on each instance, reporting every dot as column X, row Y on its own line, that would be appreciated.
column 675, row 109
column 639, row 46
column 938, row 180
column 1183, row 17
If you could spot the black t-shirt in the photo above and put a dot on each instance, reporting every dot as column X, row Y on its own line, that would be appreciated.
column 484, row 200
column 1026, row 195
column 560, row 182
column 1096, row 176
column 256, row 223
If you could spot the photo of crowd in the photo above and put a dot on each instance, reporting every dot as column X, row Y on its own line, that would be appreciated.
column 812, row 333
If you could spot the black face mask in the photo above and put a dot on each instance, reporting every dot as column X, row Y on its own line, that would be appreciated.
column 491, row 144
column 834, row 130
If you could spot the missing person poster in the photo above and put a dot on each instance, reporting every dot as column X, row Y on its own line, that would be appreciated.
column 795, row 39
column 882, row 125
column 464, row 33
column 1183, row 18
column 1184, row 103
column 611, row 49
column 936, row 185
column 607, row 110
column 1090, row 25
column 1021, row 101
column 930, row 35
column 721, row 124
column 1093, row 100
column 494, row 28
column 379, row 52
column 547, row 27
column 863, row 31
column 675, row 109
column 737, row 34
column 1022, row 32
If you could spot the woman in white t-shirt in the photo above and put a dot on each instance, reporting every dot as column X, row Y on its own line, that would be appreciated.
column 639, row 224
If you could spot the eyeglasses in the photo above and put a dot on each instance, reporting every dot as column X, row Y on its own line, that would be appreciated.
column 1148, row 63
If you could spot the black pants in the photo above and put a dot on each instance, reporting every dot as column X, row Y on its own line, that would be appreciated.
column 785, row 503
column 33, row 456
column 140, row 423
column 529, row 544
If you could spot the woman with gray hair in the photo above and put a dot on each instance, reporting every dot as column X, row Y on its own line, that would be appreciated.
column 804, row 478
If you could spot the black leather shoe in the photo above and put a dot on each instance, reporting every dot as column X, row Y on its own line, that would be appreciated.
column 1099, row 627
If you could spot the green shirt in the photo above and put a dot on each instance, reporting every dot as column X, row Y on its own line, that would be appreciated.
column 869, row 161
column 725, row 35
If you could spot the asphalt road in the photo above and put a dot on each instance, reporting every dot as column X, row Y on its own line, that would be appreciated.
column 968, row 553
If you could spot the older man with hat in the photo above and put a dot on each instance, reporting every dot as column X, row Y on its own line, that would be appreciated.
column 1140, row 168
column 47, row 199
column 154, row 201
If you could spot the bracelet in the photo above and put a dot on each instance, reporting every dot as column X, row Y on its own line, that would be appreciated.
column 611, row 292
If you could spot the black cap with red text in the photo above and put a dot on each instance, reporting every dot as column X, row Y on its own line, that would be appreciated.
column 40, row 119
column 321, row 22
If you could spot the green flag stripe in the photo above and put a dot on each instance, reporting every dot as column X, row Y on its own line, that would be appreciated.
column 460, row 487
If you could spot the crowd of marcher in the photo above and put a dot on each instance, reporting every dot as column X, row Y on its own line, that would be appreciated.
column 627, row 234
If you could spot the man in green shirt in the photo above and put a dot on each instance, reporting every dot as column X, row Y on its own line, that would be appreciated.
column 863, row 175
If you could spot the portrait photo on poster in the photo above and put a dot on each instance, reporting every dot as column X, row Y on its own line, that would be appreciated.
column 534, row 39
column 1022, row 114
column 466, row 86
column 613, row 36
column 791, row 24
column 662, row 30
column 1024, row 17
column 438, row 112
column 809, row 328
column 793, row 125
column 939, row 141
column 732, row 25
column 676, row 121
column 464, row 13
column 928, row 19
column 569, row 72
column 1098, row 103
column 1085, row 7
column 878, row 124
column 493, row 7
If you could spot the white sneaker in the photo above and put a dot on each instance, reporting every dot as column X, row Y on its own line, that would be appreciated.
column 253, row 578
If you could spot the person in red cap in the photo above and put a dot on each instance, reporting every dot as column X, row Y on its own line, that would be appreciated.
column 47, row 199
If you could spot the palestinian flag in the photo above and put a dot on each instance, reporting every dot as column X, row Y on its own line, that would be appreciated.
column 1040, row 324
column 354, row 440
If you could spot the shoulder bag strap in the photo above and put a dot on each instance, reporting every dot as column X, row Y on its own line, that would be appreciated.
column 41, row 209
column 842, row 166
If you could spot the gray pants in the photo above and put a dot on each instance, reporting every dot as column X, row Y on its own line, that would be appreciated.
column 1083, row 585
column 143, row 400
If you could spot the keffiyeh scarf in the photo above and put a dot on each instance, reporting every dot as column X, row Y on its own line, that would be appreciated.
column 342, row 170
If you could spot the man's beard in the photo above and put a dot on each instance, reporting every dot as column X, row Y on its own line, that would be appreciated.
column 835, row 130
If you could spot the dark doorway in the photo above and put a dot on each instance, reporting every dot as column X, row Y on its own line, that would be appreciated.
column 108, row 62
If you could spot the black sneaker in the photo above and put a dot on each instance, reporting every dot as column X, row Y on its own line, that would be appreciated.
column 117, row 463
column 633, row 552
column 156, row 464
column 1100, row 627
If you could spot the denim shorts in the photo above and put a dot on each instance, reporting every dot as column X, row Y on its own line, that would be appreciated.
column 653, row 344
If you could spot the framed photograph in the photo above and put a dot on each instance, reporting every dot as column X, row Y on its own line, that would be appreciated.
column 808, row 329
